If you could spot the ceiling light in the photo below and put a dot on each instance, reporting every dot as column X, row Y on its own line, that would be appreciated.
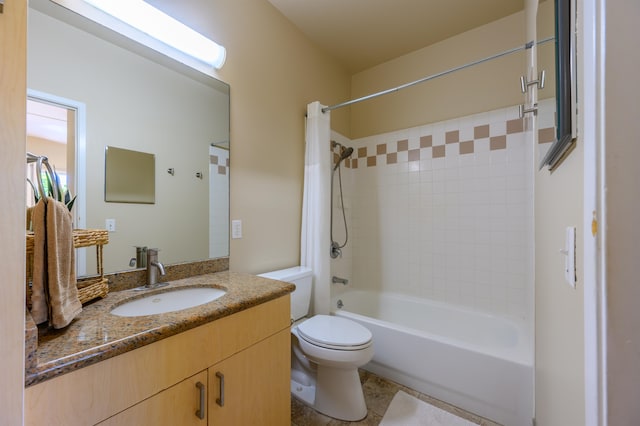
column 164, row 28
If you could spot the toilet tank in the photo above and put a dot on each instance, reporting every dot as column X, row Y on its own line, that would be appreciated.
column 302, row 277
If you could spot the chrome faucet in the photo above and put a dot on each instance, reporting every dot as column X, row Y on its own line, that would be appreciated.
column 339, row 280
column 153, row 267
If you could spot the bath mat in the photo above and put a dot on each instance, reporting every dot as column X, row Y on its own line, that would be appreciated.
column 406, row 410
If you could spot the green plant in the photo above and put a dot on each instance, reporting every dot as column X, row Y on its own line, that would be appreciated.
column 62, row 194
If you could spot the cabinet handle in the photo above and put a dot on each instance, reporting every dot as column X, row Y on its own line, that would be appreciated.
column 220, row 401
column 201, row 411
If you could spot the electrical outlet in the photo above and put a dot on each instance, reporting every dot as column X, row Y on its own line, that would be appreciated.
column 110, row 224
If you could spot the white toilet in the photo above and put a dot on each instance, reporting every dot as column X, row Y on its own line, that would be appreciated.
column 326, row 353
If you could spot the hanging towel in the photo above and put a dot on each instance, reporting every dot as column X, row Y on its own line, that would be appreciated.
column 39, row 306
column 54, row 292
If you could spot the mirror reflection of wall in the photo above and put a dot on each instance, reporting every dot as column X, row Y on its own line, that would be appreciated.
column 135, row 103
column 218, row 196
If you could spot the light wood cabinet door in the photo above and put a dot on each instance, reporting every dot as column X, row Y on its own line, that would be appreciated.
column 178, row 405
column 256, row 385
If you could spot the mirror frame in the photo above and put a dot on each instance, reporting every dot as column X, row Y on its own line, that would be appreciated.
column 565, row 84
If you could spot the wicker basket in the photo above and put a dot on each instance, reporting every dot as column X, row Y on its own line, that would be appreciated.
column 89, row 288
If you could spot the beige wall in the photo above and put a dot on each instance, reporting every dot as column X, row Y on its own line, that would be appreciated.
column 622, row 212
column 55, row 152
column 559, row 309
column 484, row 87
column 274, row 72
column 559, row 342
column 13, row 34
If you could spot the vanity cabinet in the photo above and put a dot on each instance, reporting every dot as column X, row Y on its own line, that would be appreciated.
column 241, row 387
column 156, row 384
column 174, row 406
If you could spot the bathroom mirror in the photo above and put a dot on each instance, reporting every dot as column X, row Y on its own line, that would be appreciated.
column 144, row 102
column 129, row 176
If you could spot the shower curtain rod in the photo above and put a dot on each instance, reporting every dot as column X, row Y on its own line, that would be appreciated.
column 440, row 74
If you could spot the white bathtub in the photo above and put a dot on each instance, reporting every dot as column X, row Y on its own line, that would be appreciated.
column 478, row 362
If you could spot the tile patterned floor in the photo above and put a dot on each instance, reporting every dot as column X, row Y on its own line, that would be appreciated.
column 378, row 393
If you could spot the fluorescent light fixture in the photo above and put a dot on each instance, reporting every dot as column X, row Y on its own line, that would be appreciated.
column 164, row 28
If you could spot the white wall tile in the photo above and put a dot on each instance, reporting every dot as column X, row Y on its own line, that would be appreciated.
column 457, row 228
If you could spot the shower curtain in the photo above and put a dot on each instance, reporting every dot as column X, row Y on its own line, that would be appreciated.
column 315, row 240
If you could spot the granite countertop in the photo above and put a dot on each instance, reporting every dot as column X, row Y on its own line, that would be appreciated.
column 96, row 334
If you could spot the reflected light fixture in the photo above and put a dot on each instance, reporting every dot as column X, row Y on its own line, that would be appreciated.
column 164, row 28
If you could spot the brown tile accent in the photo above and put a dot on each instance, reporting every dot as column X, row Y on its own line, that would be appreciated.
column 498, row 142
column 480, row 132
column 452, row 137
column 403, row 145
column 354, row 163
column 466, row 147
column 414, row 155
column 371, row 161
column 438, row 151
column 213, row 159
column 546, row 135
column 381, row 148
column 222, row 170
column 426, row 141
column 362, row 152
column 392, row 158
column 515, row 126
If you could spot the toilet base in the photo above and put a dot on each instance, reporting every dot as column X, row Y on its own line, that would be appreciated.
column 339, row 394
column 306, row 394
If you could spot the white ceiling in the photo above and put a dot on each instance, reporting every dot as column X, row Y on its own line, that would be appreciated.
column 46, row 121
column 365, row 33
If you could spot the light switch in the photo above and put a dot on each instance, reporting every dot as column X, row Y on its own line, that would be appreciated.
column 236, row 229
column 570, row 256
column 110, row 224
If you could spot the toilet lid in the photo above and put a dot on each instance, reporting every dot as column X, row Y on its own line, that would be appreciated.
column 334, row 333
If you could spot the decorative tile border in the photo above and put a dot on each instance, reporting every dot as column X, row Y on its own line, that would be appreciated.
column 223, row 166
column 387, row 153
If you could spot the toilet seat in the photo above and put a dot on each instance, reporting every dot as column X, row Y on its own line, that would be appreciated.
column 335, row 333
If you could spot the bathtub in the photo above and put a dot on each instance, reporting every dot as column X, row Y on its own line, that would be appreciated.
column 478, row 362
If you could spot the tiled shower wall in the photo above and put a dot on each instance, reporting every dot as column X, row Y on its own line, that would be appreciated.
column 445, row 211
column 218, row 202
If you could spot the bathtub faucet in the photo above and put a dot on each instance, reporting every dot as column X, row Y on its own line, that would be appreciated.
column 339, row 280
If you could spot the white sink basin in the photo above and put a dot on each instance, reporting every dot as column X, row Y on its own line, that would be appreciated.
column 169, row 301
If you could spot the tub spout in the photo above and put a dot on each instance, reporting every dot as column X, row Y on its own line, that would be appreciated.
column 339, row 280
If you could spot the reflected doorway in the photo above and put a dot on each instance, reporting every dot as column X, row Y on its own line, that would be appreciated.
column 56, row 129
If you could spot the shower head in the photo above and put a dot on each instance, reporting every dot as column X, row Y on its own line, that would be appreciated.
column 346, row 153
